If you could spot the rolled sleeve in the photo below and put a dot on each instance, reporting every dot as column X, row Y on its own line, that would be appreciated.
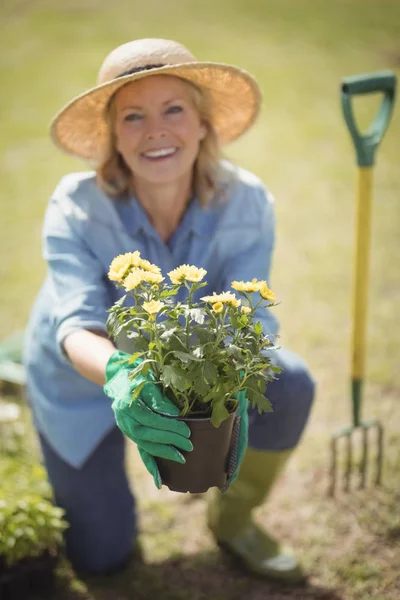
column 255, row 260
column 77, row 276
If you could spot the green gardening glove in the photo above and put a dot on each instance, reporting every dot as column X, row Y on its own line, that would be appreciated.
column 147, row 419
column 239, row 440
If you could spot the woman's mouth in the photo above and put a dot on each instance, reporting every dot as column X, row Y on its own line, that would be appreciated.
column 160, row 154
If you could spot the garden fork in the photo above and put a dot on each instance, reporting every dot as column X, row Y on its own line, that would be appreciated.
column 365, row 147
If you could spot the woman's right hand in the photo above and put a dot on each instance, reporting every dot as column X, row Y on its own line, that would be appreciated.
column 146, row 420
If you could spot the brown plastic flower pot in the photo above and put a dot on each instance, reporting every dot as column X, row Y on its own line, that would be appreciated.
column 42, row 572
column 206, row 465
column 30, row 575
column 14, row 583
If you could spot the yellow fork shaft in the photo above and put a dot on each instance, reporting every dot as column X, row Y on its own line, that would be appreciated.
column 361, row 270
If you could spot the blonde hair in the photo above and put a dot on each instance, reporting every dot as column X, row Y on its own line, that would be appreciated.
column 115, row 178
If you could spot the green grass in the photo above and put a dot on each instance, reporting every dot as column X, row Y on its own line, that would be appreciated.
column 298, row 50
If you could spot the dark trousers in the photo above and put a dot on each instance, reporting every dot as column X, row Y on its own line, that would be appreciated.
column 97, row 499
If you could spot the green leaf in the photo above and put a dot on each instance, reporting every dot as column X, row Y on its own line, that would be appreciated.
column 234, row 351
column 175, row 377
column 252, row 346
column 258, row 328
column 169, row 292
column 136, row 391
column 211, row 395
column 118, row 304
column 185, row 357
column 165, row 336
column 139, row 342
column 142, row 368
column 261, row 366
column 198, row 315
column 205, row 335
column 243, row 321
column 200, row 387
column 243, row 294
column 253, row 381
column 259, row 400
column 146, row 367
column 239, row 366
column 176, row 344
column 210, row 372
column 219, row 413
column 134, row 357
column 122, row 362
column 127, row 324
column 111, row 320
column 198, row 352
column 262, row 385
column 168, row 324
column 200, row 285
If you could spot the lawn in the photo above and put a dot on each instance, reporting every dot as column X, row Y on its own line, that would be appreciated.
column 298, row 50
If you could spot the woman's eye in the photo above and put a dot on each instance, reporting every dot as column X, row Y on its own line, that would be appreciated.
column 132, row 117
column 174, row 109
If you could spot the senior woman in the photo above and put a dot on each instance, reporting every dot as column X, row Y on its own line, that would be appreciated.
column 152, row 127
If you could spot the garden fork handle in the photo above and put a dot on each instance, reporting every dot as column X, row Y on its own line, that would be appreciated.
column 367, row 143
column 365, row 146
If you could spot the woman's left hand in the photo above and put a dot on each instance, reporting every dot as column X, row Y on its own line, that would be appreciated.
column 147, row 420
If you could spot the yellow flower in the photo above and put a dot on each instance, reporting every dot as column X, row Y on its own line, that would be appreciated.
column 225, row 298
column 186, row 273
column 267, row 293
column 134, row 279
column 153, row 307
column 121, row 265
column 150, row 277
column 148, row 266
column 248, row 286
column 246, row 310
column 218, row 307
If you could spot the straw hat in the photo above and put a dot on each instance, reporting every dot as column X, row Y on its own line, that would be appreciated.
column 80, row 128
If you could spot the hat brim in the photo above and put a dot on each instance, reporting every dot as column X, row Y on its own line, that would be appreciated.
column 80, row 128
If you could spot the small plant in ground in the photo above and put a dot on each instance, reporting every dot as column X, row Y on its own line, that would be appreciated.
column 29, row 527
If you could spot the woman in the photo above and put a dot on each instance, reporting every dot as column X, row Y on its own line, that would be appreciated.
column 152, row 127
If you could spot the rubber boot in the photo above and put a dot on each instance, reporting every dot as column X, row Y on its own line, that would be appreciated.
column 230, row 519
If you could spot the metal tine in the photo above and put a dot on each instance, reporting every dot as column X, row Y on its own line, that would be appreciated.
column 379, row 458
column 363, row 466
column 364, row 458
column 333, row 469
column 349, row 463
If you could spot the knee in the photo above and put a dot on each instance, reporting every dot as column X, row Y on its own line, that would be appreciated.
column 100, row 537
column 303, row 387
column 102, row 551
column 291, row 396
column 295, row 382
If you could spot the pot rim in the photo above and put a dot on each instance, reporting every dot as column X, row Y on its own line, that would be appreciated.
column 200, row 418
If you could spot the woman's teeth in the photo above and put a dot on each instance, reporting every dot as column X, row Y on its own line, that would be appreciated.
column 160, row 153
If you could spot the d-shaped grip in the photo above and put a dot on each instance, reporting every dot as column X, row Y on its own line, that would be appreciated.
column 384, row 82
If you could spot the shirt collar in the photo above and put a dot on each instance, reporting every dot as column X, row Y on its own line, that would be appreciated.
column 195, row 218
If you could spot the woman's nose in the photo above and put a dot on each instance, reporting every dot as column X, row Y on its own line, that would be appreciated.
column 155, row 130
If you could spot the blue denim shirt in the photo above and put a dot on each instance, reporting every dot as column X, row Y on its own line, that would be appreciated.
column 84, row 229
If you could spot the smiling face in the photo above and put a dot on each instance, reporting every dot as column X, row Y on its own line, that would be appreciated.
column 158, row 129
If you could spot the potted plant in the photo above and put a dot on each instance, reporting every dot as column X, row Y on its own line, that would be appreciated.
column 201, row 350
column 31, row 531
